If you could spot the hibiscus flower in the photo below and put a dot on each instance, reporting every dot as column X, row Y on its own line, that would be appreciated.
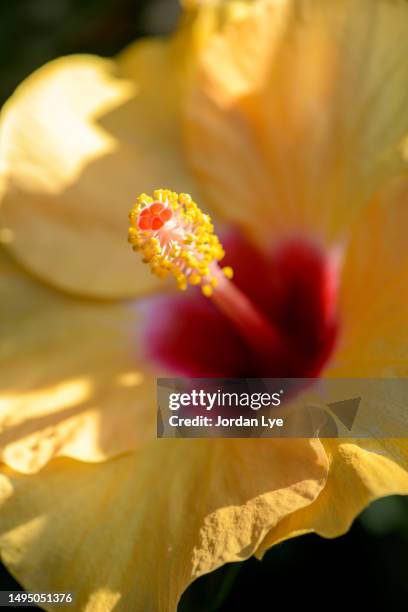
column 287, row 121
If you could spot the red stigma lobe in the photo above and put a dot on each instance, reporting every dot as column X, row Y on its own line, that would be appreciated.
column 153, row 217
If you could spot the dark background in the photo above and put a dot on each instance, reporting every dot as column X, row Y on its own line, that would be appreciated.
column 368, row 567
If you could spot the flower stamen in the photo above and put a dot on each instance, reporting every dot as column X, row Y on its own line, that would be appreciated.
column 176, row 238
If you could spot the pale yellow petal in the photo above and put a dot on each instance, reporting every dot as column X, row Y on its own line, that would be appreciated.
column 81, row 138
column 71, row 380
column 373, row 307
column 356, row 478
column 374, row 290
column 299, row 111
column 132, row 533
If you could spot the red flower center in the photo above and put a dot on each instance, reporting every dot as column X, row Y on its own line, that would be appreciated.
column 294, row 287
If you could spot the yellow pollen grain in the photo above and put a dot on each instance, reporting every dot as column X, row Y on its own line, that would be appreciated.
column 185, row 246
column 207, row 290
column 228, row 272
column 195, row 279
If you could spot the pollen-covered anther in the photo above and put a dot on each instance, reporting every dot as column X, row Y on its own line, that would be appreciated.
column 175, row 237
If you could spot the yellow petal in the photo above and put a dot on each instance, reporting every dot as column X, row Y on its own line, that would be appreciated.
column 299, row 111
column 373, row 339
column 374, row 290
column 142, row 527
column 356, row 478
column 80, row 139
column 71, row 380
column 69, row 180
